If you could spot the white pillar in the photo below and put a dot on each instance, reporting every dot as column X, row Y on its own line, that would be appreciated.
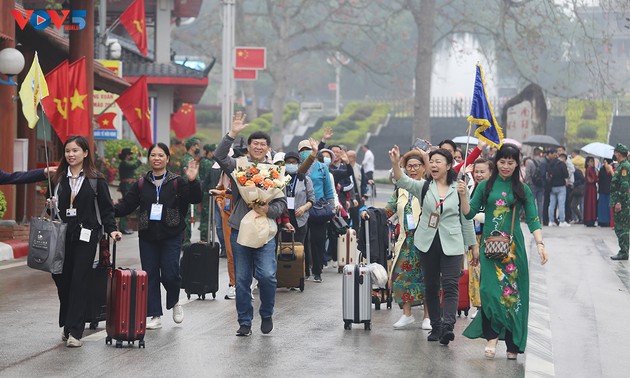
column 227, row 85
column 162, row 44
column 164, row 108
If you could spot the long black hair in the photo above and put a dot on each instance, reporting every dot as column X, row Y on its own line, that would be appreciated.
column 507, row 151
column 89, row 169
column 451, row 175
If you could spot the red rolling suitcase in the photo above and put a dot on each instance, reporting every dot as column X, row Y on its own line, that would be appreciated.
column 463, row 304
column 126, row 305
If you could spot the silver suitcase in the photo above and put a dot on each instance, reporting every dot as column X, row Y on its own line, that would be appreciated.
column 357, row 293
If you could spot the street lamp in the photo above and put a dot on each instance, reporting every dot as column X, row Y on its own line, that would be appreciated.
column 11, row 63
column 338, row 60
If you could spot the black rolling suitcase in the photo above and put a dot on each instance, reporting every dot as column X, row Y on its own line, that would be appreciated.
column 199, row 265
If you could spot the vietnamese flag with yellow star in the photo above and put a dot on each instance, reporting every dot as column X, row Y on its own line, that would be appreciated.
column 134, row 103
column 56, row 104
column 134, row 21
column 78, row 120
column 184, row 121
column 106, row 121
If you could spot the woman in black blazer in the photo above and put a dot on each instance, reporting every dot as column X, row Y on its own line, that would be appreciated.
column 77, row 184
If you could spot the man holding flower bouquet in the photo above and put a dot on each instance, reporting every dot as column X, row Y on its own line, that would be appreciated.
column 257, row 203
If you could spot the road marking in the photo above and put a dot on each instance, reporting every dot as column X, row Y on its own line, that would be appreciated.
column 12, row 265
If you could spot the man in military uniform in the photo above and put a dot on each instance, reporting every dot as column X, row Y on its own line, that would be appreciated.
column 127, row 172
column 193, row 148
column 620, row 201
column 209, row 180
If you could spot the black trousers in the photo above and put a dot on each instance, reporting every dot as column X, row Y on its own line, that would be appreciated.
column 489, row 333
column 317, row 234
column 436, row 265
column 73, row 284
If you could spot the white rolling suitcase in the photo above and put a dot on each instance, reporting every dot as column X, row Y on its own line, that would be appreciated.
column 357, row 292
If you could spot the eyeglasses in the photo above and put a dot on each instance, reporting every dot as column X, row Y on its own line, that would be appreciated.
column 413, row 167
column 259, row 144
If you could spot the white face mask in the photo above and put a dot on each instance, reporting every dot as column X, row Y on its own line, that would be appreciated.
column 327, row 160
column 291, row 168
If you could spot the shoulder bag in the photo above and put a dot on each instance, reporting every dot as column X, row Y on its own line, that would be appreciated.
column 497, row 245
column 47, row 243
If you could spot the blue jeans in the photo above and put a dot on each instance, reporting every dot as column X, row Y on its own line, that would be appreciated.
column 558, row 195
column 218, row 221
column 261, row 264
column 160, row 259
column 539, row 195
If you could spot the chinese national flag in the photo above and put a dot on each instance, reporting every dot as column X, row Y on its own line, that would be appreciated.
column 78, row 120
column 56, row 104
column 184, row 122
column 106, row 121
column 252, row 58
column 134, row 103
column 134, row 21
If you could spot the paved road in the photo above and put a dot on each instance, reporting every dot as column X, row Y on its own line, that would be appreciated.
column 577, row 328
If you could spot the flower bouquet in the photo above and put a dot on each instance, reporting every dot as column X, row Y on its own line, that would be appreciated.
column 258, row 184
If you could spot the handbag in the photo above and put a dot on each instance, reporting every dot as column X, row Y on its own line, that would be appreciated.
column 321, row 211
column 497, row 245
column 339, row 224
column 47, row 243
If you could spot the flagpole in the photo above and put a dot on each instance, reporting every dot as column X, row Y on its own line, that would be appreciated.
column 94, row 118
column 463, row 170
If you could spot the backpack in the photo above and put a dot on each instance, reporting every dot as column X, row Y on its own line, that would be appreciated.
column 538, row 178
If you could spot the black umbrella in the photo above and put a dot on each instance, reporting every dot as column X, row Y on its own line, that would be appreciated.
column 541, row 140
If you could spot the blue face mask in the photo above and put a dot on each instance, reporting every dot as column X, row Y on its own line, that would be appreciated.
column 326, row 161
column 304, row 154
column 291, row 168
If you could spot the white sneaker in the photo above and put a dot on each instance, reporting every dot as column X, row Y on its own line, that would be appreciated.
column 178, row 313
column 552, row 224
column 564, row 224
column 472, row 316
column 73, row 343
column 404, row 321
column 231, row 294
column 335, row 265
column 254, row 284
column 154, row 323
column 426, row 324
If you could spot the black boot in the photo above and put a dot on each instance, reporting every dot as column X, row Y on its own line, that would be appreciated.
column 435, row 333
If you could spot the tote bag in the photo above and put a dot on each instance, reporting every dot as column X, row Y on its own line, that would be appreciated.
column 47, row 243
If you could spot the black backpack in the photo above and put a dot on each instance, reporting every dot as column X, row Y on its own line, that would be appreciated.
column 538, row 178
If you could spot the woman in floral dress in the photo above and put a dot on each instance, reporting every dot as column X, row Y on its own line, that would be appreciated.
column 406, row 277
column 504, row 284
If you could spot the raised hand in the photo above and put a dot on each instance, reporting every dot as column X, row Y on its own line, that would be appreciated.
column 238, row 123
column 328, row 133
column 462, row 187
column 394, row 155
column 192, row 170
column 314, row 145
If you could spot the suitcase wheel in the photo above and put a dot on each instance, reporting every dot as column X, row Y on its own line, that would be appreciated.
column 141, row 344
column 188, row 295
column 459, row 312
column 301, row 284
column 94, row 325
column 347, row 324
column 466, row 312
column 201, row 296
column 367, row 326
column 214, row 295
column 108, row 340
column 118, row 344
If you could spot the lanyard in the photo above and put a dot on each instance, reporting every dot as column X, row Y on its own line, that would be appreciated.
column 292, row 188
column 437, row 205
column 158, row 188
column 74, row 187
column 410, row 198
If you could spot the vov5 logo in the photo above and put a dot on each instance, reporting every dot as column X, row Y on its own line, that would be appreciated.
column 40, row 19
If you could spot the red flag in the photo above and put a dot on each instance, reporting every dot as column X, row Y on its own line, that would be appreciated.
column 134, row 103
column 106, row 121
column 134, row 21
column 184, row 122
column 250, row 58
column 245, row 74
column 56, row 104
column 78, row 120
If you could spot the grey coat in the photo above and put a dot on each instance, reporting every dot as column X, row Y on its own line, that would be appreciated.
column 304, row 193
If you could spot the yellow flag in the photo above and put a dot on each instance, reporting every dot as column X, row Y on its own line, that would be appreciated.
column 33, row 89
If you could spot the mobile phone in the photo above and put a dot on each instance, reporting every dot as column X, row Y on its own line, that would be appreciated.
column 421, row 144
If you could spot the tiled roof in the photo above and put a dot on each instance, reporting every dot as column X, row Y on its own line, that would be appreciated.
column 160, row 70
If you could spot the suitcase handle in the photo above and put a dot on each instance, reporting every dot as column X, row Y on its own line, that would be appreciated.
column 292, row 242
column 114, row 251
column 211, row 228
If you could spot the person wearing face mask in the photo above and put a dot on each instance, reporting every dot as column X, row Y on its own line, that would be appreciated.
column 300, row 198
column 323, row 188
column 193, row 149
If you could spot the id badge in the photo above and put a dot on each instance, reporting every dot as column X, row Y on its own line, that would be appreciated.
column 72, row 212
column 156, row 212
column 291, row 203
column 434, row 219
column 411, row 223
column 85, row 235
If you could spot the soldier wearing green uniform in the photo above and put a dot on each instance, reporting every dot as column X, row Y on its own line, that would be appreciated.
column 193, row 147
column 620, row 201
column 127, row 172
column 209, row 179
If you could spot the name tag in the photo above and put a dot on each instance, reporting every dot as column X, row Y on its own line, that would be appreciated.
column 72, row 212
column 156, row 212
column 411, row 223
column 291, row 203
column 434, row 220
column 85, row 235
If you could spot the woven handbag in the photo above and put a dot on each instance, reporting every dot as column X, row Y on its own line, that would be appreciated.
column 497, row 246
